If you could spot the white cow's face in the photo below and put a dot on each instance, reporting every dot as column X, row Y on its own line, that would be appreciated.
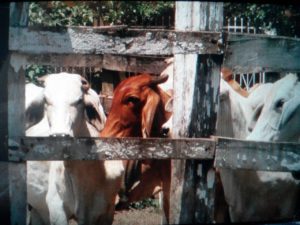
column 280, row 116
column 64, row 105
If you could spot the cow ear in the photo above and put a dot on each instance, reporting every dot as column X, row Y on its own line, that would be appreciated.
column 148, row 112
column 169, row 105
column 94, row 110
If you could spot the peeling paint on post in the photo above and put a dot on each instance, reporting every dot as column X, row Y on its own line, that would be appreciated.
column 196, row 85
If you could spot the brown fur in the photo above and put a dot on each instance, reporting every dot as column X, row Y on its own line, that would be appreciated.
column 138, row 110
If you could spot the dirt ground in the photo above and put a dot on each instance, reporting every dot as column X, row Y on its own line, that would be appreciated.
column 147, row 216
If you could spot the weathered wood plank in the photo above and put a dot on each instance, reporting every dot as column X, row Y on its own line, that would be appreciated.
column 189, row 16
column 19, row 14
column 17, row 171
column 128, row 42
column 50, row 148
column 192, row 196
column 268, row 156
column 5, row 214
column 4, row 172
column 15, row 104
column 261, row 53
column 153, row 65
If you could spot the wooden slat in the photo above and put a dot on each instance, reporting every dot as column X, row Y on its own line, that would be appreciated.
column 50, row 148
column 230, row 153
column 19, row 14
column 268, row 156
column 17, row 171
column 153, row 65
column 195, row 98
column 5, row 215
column 262, row 53
column 129, row 42
column 4, row 172
column 15, row 105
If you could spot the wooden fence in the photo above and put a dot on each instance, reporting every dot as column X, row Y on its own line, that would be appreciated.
column 199, row 48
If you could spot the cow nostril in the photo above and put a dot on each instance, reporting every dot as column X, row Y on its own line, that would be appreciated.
column 165, row 131
column 250, row 129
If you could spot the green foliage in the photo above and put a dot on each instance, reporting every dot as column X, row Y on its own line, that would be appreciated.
column 57, row 13
column 267, row 16
column 34, row 71
column 148, row 202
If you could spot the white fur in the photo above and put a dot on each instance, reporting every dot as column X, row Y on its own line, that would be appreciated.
column 84, row 189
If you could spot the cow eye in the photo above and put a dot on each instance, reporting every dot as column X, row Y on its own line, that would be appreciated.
column 279, row 104
column 132, row 99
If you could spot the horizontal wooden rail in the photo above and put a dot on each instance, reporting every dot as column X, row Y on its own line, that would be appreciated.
column 82, row 40
column 57, row 148
column 136, row 64
column 254, row 53
column 227, row 152
column 268, row 156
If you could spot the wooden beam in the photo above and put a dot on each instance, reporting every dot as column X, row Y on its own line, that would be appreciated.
column 17, row 170
column 19, row 14
column 15, row 104
column 227, row 152
column 268, row 156
column 193, row 181
column 137, row 64
column 262, row 53
column 5, row 214
column 50, row 148
column 128, row 42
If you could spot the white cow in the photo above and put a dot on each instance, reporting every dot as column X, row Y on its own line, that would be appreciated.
column 236, row 111
column 280, row 115
column 84, row 191
column 33, row 101
column 168, row 87
column 261, row 196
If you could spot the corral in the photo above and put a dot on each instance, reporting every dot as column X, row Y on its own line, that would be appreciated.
column 199, row 50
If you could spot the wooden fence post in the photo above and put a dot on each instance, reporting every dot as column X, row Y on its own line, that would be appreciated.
column 196, row 85
column 15, row 105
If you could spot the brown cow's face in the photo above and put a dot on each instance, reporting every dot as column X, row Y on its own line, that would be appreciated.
column 135, row 105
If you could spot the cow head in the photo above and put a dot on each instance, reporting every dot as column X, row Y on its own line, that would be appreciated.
column 69, row 103
column 137, row 108
column 279, row 118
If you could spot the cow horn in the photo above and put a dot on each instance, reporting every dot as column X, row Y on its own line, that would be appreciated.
column 159, row 79
column 85, row 84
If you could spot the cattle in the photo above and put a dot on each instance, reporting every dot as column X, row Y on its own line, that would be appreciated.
column 236, row 111
column 138, row 110
column 279, row 118
column 278, row 121
column 82, row 190
column 168, row 87
column 255, row 196
column 234, row 116
column 33, row 101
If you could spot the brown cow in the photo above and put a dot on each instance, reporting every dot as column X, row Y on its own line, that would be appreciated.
column 138, row 110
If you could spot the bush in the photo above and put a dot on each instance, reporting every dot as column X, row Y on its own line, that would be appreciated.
column 57, row 13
